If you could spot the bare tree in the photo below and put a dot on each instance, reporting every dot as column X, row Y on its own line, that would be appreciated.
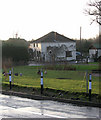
column 94, row 10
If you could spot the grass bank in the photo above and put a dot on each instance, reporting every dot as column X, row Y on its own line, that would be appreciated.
column 74, row 81
column 53, row 93
column 59, row 83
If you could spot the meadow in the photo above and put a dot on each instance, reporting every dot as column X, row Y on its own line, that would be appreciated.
column 66, row 80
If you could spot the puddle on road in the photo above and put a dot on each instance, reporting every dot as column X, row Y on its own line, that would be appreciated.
column 24, row 108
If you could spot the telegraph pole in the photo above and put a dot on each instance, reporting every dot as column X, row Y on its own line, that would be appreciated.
column 80, row 40
column 80, row 33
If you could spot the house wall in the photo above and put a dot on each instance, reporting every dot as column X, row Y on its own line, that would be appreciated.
column 34, row 47
column 93, row 52
column 42, row 47
column 70, row 45
column 99, row 52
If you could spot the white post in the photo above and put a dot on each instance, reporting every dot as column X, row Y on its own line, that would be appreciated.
column 10, row 78
column 90, row 86
column 13, row 75
column 41, row 81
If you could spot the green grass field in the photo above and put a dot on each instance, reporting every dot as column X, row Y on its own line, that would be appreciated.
column 75, row 81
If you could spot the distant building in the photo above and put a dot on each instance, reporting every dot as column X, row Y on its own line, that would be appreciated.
column 53, row 47
column 95, row 51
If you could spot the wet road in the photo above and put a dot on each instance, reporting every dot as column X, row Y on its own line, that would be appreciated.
column 16, row 107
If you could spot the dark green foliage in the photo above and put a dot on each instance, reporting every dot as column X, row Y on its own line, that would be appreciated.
column 31, row 54
column 15, row 53
column 99, row 59
column 17, row 42
column 84, row 45
column 16, row 50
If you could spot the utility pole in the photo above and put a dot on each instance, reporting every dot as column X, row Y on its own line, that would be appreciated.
column 16, row 35
column 80, row 40
column 80, row 34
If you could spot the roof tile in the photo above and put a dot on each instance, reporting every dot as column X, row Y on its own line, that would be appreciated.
column 53, row 37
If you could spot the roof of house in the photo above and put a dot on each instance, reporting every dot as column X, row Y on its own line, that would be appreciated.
column 95, row 46
column 53, row 37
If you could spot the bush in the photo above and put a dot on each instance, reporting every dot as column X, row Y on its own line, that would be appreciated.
column 60, row 67
column 7, row 63
column 16, row 54
column 99, row 59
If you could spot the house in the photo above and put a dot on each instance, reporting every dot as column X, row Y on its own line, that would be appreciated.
column 95, row 51
column 53, row 47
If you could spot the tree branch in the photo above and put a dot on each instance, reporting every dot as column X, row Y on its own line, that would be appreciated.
column 94, row 11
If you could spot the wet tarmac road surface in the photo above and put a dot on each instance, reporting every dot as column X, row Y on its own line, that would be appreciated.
column 17, row 107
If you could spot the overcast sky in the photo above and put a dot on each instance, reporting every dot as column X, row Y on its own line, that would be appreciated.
column 32, row 19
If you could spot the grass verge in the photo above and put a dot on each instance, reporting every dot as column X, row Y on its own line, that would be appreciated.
column 82, row 96
column 72, row 86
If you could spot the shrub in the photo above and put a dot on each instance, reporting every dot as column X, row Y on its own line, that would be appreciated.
column 60, row 67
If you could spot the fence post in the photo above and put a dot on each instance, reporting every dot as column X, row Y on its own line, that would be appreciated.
column 12, row 75
column 87, row 81
column 10, row 79
column 41, row 81
column 90, row 86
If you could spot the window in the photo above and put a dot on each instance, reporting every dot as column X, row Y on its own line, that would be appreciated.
column 50, row 52
column 68, row 53
column 34, row 44
column 37, row 45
